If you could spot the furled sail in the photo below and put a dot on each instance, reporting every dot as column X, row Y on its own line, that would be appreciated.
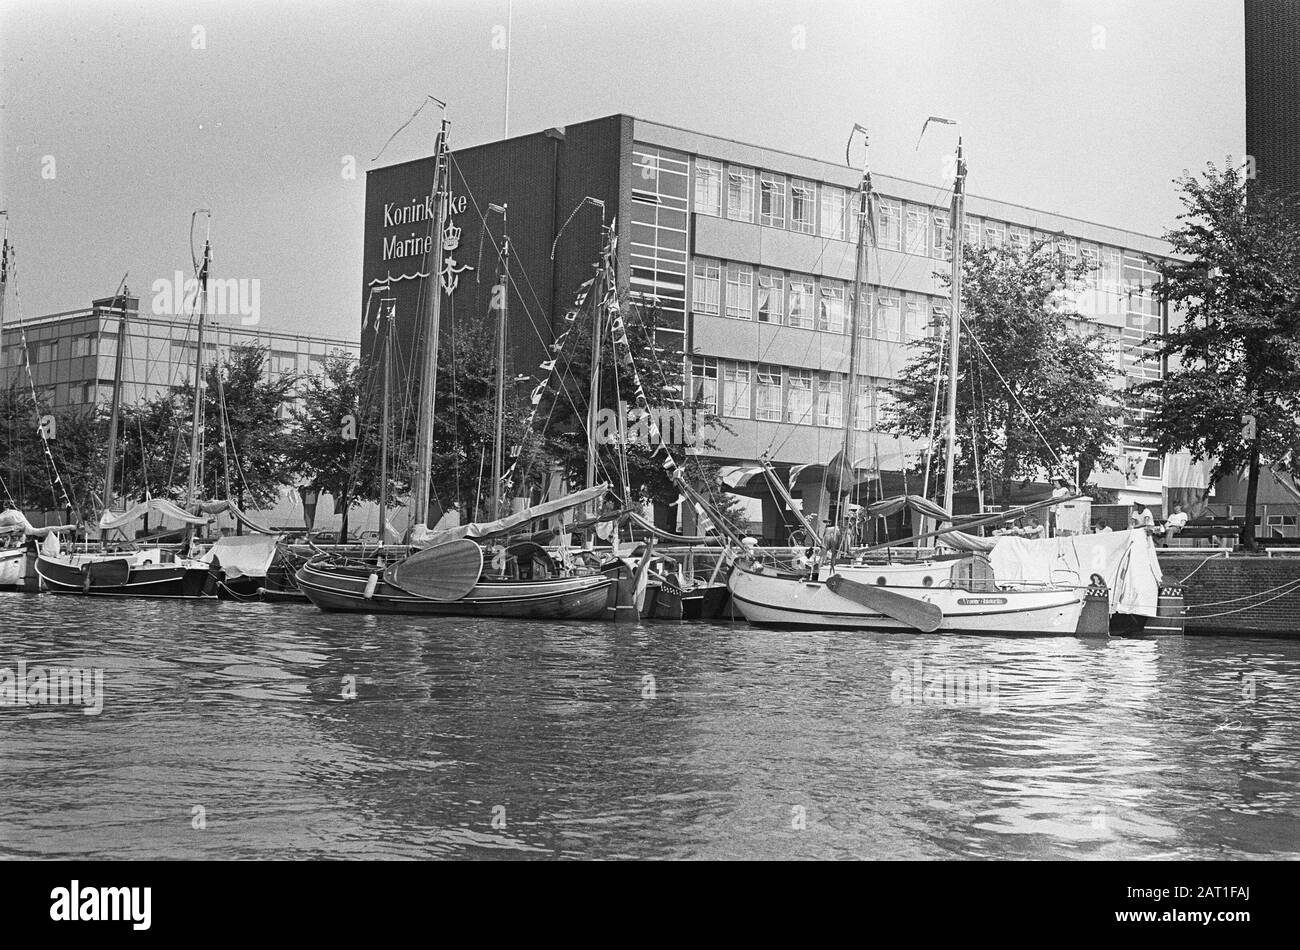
column 153, row 506
column 486, row 529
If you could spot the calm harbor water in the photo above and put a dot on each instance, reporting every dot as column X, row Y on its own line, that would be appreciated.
column 227, row 731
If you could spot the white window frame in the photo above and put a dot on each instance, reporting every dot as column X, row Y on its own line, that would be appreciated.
column 913, row 216
column 772, row 191
column 737, row 377
column 834, row 206
column 889, row 224
column 803, row 191
column 830, row 400
column 740, row 193
column 808, row 318
column 768, row 386
column 888, row 302
column 831, row 299
column 703, row 370
column 799, row 381
column 707, row 197
column 706, row 302
column 740, row 291
column 771, row 283
column 940, row 236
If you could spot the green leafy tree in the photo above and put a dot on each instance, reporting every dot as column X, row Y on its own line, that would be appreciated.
column 1036, row 359
column 465, row 420
column 1232, row 391
column 77, row 450
column 334, row 443
column 244, row 455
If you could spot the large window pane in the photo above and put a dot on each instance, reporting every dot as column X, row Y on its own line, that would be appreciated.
column 768, row 394
column 705, row 286
column 740, row 291
column 740, row 193
column 800, row 405
column 736, row 396
column 801, row 302
column 771, row 199
column 890, row 221
column 771, row 296
column 708, row 187
column 803, row 206
column 830, row 317
column 833, row 212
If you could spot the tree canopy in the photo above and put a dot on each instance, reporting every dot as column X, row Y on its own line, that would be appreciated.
column 1232, row 390
column 1034, row 389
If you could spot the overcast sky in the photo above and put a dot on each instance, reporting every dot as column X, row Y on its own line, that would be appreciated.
column 120, row 118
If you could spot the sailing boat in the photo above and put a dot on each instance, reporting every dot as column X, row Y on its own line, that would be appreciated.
column 957, row 594
column 445, row 573
column 151, row 572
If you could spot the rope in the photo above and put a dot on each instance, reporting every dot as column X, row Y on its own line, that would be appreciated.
column 1232, row 600
column 1238, row 610
column 1211, row 557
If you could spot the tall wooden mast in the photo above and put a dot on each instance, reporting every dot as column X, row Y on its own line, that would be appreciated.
column 428, row 380
column 115, row 413
column 503, row 300
column 954, row 324
column 196, row 423
column 863, row 213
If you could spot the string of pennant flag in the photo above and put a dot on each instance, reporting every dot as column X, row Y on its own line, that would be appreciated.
column 547, row 366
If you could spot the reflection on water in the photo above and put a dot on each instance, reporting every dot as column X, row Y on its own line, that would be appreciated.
column 237, row 730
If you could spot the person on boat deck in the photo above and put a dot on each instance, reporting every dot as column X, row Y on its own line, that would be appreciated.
column 835, row 540
column 1175, row 523
column 1032, row 528
column 1100, row 527
column 1140, row 517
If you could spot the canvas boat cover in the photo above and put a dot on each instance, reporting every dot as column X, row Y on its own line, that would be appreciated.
column 151, row 506
column 246, row 556
column 1125, row 559
column 13, row 521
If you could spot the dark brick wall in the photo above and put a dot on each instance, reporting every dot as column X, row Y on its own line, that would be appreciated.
column 521, row 173
column 591, row 165
column 1222, row 579
column 1273, row 91
column 541, row 177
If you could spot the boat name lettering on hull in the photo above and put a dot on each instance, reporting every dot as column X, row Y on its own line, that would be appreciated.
column 980, row 601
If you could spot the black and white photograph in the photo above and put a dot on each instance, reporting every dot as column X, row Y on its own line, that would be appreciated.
column 651, row 431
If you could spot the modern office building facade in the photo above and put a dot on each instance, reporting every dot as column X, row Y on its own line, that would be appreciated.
column 748, row 255
column 72, row 355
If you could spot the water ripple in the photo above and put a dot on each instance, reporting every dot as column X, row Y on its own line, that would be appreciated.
column 245, row 730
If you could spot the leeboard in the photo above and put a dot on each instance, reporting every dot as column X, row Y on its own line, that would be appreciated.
column 922, row 615
column 444, row 572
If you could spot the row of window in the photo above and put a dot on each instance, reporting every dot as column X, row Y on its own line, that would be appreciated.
column 808, row 207
column 741, row 292
column 48, row 351
column 772, row 393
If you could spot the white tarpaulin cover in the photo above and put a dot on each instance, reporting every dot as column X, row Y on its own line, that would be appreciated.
column 158, row 506
column 12, row 521
column 1125, row 559
column 247, row 556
